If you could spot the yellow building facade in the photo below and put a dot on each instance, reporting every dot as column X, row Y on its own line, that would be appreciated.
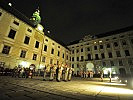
column 23, row 44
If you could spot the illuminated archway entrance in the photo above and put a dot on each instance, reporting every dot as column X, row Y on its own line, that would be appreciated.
column 90, row 66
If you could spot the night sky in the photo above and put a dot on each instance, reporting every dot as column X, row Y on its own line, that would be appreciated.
column 70, row 20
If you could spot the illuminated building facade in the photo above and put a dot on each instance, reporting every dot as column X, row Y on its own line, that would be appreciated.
column 109, row 51
column 23, row 42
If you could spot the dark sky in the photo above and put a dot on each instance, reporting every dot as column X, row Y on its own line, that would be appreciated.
column 70, row 20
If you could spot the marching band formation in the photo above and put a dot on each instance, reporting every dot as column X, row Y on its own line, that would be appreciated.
column 50, row 72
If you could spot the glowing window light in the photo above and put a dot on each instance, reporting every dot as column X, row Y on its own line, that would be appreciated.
column 95, row 42
column 23, row 63
column 40, row 28
column 100, row 41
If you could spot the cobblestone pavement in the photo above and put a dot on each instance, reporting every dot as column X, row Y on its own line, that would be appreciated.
column 77, row 89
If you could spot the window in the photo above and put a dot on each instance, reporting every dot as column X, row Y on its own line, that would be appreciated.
column 77, row 50
column 120, row 63
column 72, row 65
column 89, row 56
column 107, row 39
column 6, row 49
column 127, row 53
column 52, row 51
column 72, row 51
column 29, row 30
column 132, row 41
column 27, row 39
column 43, row 59
column 72, row 58
column 88, row 49
column 77, row 65
column 95, row 47
column 82, row 50
column 115, row 44
column 77, row 58
column 111, row 63
column 0, row 13
column 96, row 56
column 23, row 54
column 12, row 34
column 51, row 61
column 63, row 55
column 108, row 45
column 130, row 61
column 101, row 46
column 16, row 23
column 52, row 43
column 122, row 36
column 46, row 40
column 34, row 57
column 37, row 44
column 82, row 58
column 102, row 55
column 58, row 53
column 67, row 57
column 118, row 54
column 114, row 38
column 45, row 47
column 103, row 63
column 124, row 42
column 110, row 55
column 58, row 46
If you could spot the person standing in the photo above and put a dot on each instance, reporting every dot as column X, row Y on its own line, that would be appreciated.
column 70, row 73
column 52, row 72
column 44, row 73
column 66, row 74
column 59, row 73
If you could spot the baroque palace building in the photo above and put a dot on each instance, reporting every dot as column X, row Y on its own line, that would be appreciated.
column 110, row 52
column 24, row 43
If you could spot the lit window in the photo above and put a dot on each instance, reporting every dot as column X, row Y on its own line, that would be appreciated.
column 100, row 41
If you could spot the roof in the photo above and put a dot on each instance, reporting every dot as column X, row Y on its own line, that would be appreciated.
column 101, row 35
column 22, row 17
column 16, row 13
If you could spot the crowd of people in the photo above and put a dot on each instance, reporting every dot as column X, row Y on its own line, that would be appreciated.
column 49, row 72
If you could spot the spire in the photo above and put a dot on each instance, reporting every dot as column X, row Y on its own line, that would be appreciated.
column 36, row 17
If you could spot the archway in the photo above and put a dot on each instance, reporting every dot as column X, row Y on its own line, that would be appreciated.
column 90, row 66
